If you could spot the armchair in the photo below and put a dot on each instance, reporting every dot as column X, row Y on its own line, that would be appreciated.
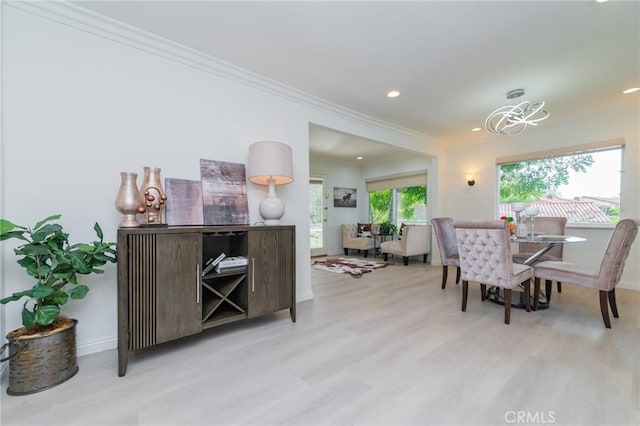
column 351, row 240
column 416, row 240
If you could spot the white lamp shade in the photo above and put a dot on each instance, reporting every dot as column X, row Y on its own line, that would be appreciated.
column 270, row 160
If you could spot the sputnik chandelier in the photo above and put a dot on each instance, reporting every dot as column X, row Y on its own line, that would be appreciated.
column 513, row 119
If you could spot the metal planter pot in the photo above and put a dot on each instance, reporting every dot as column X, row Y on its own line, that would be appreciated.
column 40, row 362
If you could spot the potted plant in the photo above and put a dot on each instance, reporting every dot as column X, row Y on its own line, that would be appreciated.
column 42, row 353
column 387, row 228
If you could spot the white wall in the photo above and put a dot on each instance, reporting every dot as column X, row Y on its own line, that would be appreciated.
column 461, row 201
column 84, row 100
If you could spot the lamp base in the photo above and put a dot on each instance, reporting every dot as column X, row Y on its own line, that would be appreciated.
column 271, row 210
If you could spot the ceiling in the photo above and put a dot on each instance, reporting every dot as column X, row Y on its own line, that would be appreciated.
column 352, row 150
column 452, row 61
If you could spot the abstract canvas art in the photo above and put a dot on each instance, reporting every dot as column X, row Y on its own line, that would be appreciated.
column 184, row 202
column 224, row 193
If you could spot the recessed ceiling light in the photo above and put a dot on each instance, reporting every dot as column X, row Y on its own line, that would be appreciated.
column 601, row 1
column 393, row 94
column 476, row 129
column 631, row 90
column 359, row 158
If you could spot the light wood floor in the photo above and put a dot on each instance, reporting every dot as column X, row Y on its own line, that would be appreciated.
column 390, row 348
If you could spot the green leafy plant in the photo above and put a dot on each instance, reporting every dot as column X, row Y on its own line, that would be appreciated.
column 388, row 228
column 48, row 257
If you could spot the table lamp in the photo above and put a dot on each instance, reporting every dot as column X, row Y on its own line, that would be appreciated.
column 270, row 163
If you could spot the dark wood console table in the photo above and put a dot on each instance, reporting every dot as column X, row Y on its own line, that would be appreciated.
column 163, row 296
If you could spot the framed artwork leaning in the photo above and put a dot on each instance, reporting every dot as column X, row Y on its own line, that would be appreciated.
column 224, row 193
column 184, row 202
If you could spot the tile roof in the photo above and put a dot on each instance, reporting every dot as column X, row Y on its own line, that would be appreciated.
column 574, row 211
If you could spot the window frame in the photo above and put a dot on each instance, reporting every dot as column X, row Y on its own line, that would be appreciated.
column 582, row 149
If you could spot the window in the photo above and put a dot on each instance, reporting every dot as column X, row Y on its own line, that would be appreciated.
column 399, row 205
column 582, row 185
column 398, row 198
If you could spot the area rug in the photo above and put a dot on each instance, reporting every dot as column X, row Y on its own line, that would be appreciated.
column 352, row 266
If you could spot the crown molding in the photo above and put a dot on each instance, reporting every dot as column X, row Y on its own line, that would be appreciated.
column 88, row 21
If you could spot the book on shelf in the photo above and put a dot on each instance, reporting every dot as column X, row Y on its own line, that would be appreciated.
column 231, row 269
column 212, row 263
column 231, row 261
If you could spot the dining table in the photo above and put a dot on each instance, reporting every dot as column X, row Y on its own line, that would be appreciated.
column 546, row 242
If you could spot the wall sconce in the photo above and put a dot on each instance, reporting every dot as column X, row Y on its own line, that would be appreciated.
column 470, row 180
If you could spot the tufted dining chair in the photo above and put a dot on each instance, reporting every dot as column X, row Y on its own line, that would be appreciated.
column 605, row 278
column 446, row 238
column 484, row 248
column 549, row 225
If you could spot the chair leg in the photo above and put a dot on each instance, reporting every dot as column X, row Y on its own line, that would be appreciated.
column 366, row 253
column 604, row 309
column 559, row 284
column 445, row 270
column 465, row 292
column 507, row 305
column 536, row 293
column 385, row 256
column 457, row 274
column 406, row 260
column 346, row 252
column 527, row 295
column 547, row 290
column 424, row 258
column 483, row 292
column 612, row 303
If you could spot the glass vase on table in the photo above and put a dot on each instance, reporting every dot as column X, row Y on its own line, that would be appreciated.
column 521, row 227
column 532, row 211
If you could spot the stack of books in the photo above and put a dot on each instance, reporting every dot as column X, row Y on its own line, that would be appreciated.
column 223, row 264
column 212, row 263
column 232, row 264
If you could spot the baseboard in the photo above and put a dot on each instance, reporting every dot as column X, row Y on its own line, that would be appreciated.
column 629, row 285
column 97, row 346
column 301, row 297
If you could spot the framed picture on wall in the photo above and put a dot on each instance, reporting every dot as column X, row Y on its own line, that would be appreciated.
column 344, row 197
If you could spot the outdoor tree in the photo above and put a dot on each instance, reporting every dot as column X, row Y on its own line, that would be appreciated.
column 315, row 203
column 412, row 197
column 381, row 204
column 530, row 180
